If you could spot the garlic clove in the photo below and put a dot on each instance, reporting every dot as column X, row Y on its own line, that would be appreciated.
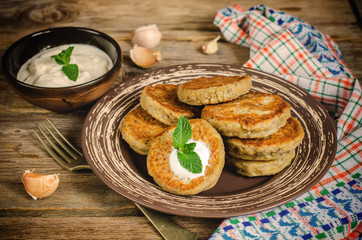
column 40, row 185
column 147, row 36
column 144, row 57
column 211, row 47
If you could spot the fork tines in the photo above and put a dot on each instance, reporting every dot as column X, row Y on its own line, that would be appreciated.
column 55, row 143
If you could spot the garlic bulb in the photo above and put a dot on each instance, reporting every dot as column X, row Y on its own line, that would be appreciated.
column 147, row 36
column 144, row 57
column 40, row 185
column 211, row 47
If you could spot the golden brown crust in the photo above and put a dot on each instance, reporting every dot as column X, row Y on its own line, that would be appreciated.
column 138, row 129
column 284, row 140
column 253, row 115
column 212, row 90
column 162, row 103
column 159, row 167
column 261, row 168
column 206, row 82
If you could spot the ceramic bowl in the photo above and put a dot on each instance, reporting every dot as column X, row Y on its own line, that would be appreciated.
column 61, row 99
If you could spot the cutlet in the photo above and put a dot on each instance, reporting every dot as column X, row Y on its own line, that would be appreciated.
column 212, row 90
column 253, row 115
column 158, row 160
column 138, row 129
column 287, row 138
column 162, row 103
column 261, row 168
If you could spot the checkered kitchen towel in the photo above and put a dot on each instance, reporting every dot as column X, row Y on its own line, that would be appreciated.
column 286, row 46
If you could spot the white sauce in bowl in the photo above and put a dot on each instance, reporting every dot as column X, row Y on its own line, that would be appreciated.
column 204, row 153
column 41, row 70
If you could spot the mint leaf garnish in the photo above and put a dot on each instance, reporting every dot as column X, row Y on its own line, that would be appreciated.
column 71, row 71
column 188, row 159
column 182, row 133
column 63, row 58
column 191, row 161
column 188, row 147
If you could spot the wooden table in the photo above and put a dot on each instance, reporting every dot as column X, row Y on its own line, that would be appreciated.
column 83, row 207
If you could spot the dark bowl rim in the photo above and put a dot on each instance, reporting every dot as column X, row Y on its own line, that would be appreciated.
column 114, row 68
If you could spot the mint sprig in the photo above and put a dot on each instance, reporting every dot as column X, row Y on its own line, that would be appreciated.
column 71, row 71
column 188, row 159
column 63, row 58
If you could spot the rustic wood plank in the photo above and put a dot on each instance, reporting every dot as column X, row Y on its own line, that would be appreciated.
column 92, row 228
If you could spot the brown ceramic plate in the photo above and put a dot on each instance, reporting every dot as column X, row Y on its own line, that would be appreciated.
column 125, row 171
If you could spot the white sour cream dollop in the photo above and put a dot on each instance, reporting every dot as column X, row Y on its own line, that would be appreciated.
column 204, row 153
column 42, row 70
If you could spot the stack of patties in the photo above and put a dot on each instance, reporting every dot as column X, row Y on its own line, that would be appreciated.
column 258, row 130
column 268, row 155
column 149, row 129
column 260, row 134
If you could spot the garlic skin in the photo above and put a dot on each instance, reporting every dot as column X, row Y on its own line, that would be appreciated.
column 40, row 185
column 147, row 36
column 144, row 57
column 211, row 47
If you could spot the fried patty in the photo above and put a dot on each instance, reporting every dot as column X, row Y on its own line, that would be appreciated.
column 218, row 89
column 287, row 138
column 139, row 128
column 261, row 168
column 253, row 115
column 158, row 163
column 162, row 103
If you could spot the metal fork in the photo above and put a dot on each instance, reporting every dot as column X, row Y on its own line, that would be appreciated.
column 72, row 159
column 69, row 156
